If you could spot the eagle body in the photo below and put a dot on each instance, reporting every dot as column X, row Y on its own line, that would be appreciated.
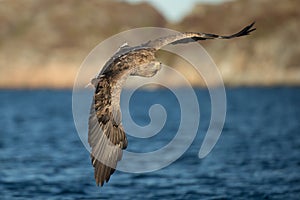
column 105, row 110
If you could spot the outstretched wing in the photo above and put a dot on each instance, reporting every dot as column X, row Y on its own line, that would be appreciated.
column 106, row 135
column 192, row 37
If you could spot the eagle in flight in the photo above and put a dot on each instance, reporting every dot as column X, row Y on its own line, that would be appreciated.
column 106, row 135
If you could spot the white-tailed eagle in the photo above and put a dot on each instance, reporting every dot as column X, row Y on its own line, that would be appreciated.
column 106, row 135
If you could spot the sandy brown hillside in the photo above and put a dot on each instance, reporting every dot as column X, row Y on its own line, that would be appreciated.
column 271, row 55
column 43, row 42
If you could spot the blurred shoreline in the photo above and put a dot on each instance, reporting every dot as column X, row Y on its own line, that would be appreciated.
column 44, row 44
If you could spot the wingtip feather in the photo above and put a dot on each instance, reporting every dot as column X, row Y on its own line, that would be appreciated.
column 245, row 31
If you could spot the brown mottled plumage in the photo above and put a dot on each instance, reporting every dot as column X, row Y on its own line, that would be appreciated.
column 106, row 134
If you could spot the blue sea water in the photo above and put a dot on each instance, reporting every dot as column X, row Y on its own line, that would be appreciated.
column 256, row 157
